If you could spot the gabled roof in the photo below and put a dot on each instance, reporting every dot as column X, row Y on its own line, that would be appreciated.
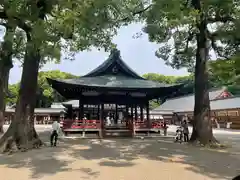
column 112, row 75
column 186, row 103
column 114, row 65
column 113, row 81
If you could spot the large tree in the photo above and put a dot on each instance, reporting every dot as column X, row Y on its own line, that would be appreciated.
column 81, row 24
column 5, row 66
column 11, row 47
column 187, row 30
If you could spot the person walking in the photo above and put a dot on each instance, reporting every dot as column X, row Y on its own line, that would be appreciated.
column 185, row 131
column 165, row 128
column 55, row 131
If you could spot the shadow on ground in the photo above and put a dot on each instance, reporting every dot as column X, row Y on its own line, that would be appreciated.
column 123, row 153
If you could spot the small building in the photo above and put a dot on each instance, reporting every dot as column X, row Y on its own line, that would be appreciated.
column 225, row 108
column 110, row 99
column 41, row 115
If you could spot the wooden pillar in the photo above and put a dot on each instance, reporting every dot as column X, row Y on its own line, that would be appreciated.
column 81, row 117
column 79, row 110
column 131, row 120
column 101, row 121
column 135, row 119
column 136, row 114
column 127, row 116
column 148, row 119
column 141, row 112
column 98, row 112
column 127, row 108
column 116, row 114
column 132, row 113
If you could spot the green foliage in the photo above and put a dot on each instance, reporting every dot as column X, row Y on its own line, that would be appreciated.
column 168, row 79
column 234, row 89
column 13, row 94
column 56, row 74
column 68, row 26
column 225, row 72
column 173, row 25
column 153, row 104
column 222, row 71
column 45, row 94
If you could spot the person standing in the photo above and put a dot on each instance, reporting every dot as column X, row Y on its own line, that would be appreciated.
column 185, row 131
column 55, row 131
column 165, row 128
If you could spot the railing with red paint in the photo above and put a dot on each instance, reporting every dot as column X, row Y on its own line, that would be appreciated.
column 143, row 124
column 81, row 124
column 129, row 125
column 140, row 124
column 157, row 125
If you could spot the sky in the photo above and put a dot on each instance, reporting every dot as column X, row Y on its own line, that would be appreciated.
column 139, row 54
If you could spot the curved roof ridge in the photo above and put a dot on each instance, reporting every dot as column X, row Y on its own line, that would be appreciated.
column 114, row 57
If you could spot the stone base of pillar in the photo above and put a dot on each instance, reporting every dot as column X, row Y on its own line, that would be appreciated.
column 83, row 134
column 148, row 133
column 100, row 134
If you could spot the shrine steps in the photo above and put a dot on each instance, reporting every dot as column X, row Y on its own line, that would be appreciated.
column 117, row 133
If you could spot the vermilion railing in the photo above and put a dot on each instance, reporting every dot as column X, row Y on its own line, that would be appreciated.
column 96, row 124
column 81, row 124
column 143, row 124
column 140, row 124
column 157, row 125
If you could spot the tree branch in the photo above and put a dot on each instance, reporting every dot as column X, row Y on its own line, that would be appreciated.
column 189, row 38
column 222, row 19
column 212, row 38
column 138, row 12
column 21, row 24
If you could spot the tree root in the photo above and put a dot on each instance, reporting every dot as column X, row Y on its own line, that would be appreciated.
column 213, row 143
column 1, row 130
column 10, row 144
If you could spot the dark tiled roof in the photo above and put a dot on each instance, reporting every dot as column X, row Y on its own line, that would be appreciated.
column 113, row 73
column 186, row 103
column 110, row 81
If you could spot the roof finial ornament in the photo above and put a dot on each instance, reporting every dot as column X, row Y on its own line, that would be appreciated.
column 115, row 53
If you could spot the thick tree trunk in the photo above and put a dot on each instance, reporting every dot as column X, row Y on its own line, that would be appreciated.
column 5, row 66
column 21, row 131
column 4, row 76
column 202, row 124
